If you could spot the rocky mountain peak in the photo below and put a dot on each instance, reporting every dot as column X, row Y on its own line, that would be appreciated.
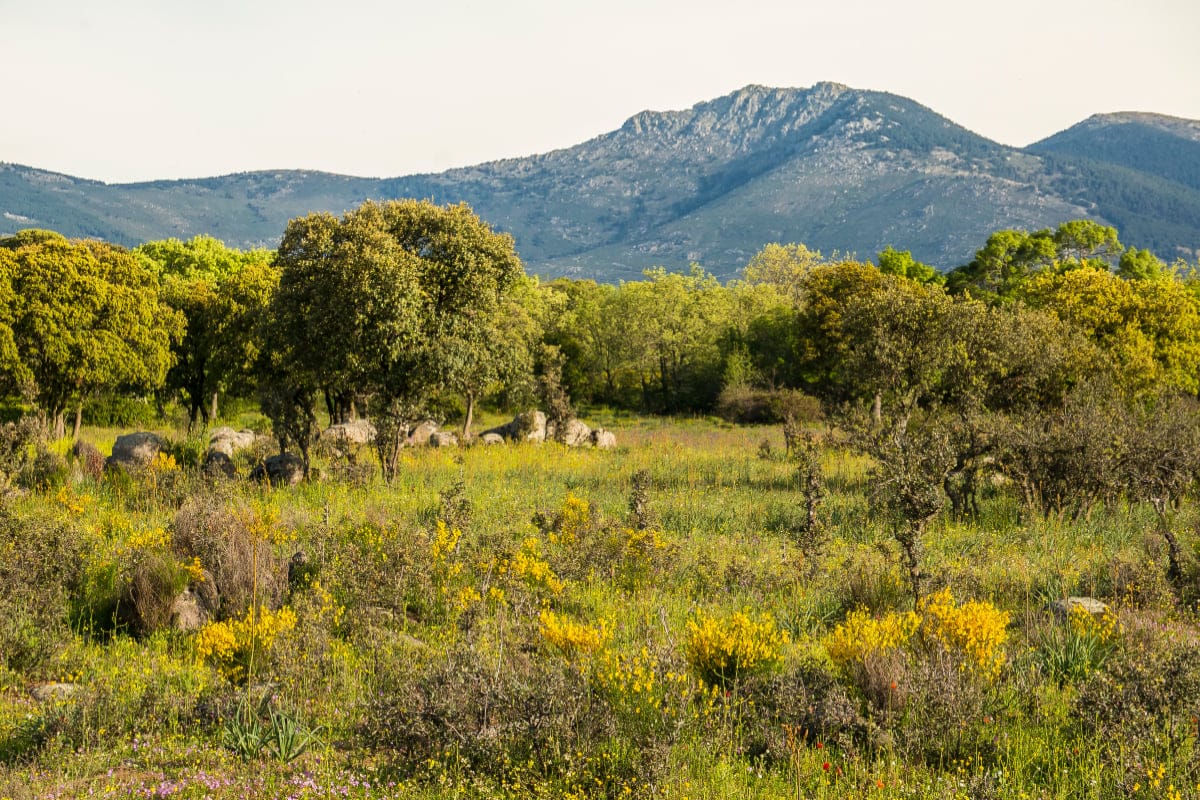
column 831, row 166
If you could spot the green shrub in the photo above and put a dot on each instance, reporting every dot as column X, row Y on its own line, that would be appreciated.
column 189, row 452
column 39, row 571
column 1151, row 682
column 747, row 405
column 805, row 699
column 120, row 411
column 19, row 441
column 46, row 471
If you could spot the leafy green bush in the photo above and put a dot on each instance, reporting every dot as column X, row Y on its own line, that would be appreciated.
column 189, row 452
column 19, row 441
column 120, row 411
column 1150, row 683
column 750, row 406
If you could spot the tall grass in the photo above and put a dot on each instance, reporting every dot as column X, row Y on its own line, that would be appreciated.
column 386, row 621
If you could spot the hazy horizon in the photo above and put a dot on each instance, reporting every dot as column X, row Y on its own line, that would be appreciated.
column 136, row 91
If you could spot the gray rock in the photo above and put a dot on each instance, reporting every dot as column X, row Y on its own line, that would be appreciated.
column 45, row 692
column 284, row 469
column 503, row 431
column 528, row 426
column 134, row 450
column 228, row 441
column 604, row 440
column 419, row 435
column 1062, row 608
column 443, row 439
column 575, row 433
column 491, row 437
column 360, row 431
column 189, row 612
column 218, row 464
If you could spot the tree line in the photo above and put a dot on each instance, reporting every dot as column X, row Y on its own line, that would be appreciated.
column 396, row 310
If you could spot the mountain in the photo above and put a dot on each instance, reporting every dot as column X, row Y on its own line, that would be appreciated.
column 834, row 167
column 1140, row 172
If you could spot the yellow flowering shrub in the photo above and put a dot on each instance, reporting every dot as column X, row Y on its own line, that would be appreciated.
column 261, row 519
column 232, row 644
column 442, row 551
column 976, row 628
column 147, row 539
column 645, row 696
column 530, row 566
column 719, row 649
column 194, row 570
column 445, row 542
column 643, row 544
column 162, row 463
column 1103, row 627
column 216, row 642
column 862, row 635
column 572, row 638
column 328, row 608
column 642, row 555
column 467, row 596
column 75, row 504
column 574, row 520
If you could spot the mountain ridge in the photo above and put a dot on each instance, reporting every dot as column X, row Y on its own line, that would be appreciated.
column 836, row 167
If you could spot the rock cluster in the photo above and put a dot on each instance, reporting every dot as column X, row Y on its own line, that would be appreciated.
column 533, row 426
column 285, row 469
column 137, row 450
column 223, row 443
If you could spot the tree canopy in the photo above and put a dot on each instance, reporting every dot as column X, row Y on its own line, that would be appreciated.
column 384, row 306
column 85, row 317
column 222, row 293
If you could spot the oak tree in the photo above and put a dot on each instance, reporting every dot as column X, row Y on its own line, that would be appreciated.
column 86, row 317
column 222, row 293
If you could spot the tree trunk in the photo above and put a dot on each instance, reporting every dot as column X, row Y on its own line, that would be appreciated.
column 215, row 408
column 909, row 538
column 330, row 407
column 1174, row 562
column 78, row 420
column 664, row 380
column 877, row 409
column 466, row 434
column 60, row 428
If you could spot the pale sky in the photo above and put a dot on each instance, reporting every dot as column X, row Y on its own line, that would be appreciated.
column 125, row 90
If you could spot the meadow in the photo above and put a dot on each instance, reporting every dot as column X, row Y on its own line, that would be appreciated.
column 514, row 621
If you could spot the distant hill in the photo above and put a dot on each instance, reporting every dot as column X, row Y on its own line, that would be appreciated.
column 1141, row 172
column 833, row 167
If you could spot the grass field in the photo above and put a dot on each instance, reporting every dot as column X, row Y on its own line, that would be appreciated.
column 499, row 623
